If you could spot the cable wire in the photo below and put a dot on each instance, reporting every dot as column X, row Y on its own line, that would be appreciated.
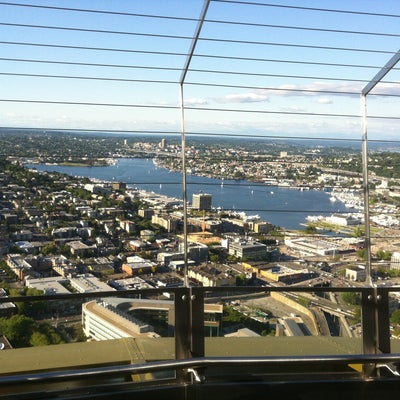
column 291, row 7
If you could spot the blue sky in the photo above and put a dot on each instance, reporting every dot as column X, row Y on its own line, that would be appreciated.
column 282, row 67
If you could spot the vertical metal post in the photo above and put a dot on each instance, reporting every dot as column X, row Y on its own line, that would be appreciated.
column 189, row 305
column 382, row 320
column 182, row 329
column 375, row 302
column 189, row 323
column 189, row 326
column 364, row 93
column 368, row 321
column 183, row 134
column 368, row 318
column 375, row 324
column 197, row 321
column 367, row 240
column 184, row 189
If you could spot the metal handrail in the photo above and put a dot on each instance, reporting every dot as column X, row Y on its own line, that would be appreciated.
column 189, row 305
column 201, row 363
column 210, row 289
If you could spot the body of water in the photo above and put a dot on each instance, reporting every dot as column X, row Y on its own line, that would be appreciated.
column 284, row 207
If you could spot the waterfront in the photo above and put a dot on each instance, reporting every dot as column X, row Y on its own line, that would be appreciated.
column 282, row 206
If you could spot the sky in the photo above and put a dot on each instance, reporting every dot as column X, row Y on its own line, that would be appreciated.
column 257, row 69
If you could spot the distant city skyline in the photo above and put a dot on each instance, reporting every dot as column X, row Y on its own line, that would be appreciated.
column 292, row 68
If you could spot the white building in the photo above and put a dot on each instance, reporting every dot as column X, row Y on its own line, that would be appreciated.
column 395, row 260
column 356, row 273
column 343, row 220
column 312, row 246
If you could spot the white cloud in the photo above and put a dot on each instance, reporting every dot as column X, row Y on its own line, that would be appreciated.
column 309, row 90
column 324, row 100
column 196, row 102
column 251, row 97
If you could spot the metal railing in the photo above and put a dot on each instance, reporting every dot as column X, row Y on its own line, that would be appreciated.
column 189, row 326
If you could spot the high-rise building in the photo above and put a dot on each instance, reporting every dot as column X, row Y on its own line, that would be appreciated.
column 201, row 201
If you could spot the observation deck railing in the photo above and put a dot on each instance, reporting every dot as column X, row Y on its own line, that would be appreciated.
column 372, row 359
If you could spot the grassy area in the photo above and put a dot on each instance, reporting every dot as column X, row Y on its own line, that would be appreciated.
column 348, row 230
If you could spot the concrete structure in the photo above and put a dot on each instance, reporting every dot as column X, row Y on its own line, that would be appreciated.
column 84, row 283
column 260, row 226
column 286, row 275
column 19, row 266
column 147, row 234
column 146, row 213
column 211, row 276
column 130, row 283
column 120, row 186
column 52, row 285
column 166, row 221
column 87, row 283
column 248, row 250
column 343, row 220
column 136, row 266
column 201, row 201
column 103, row 321
column 356, row 273
column 292, row 326
column 196, row 251
column 114, row 318
column 127, row 225
column 6, row 309
column 137, row 245
column 81, row 249
column 395, row 261
column 312, row 246
column 166, row 258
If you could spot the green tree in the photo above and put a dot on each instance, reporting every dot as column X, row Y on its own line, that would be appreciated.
column 50, row 248
column 351, row 298
column 395, row 317
column 383, row 255
column 311, row 230
column 39, row 339
column 214, row 258
column 361, row 254
column 241, row 280
column 18, row 329
column 358, row 232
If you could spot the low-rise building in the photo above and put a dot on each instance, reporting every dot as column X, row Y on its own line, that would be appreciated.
column 6, row 309
column 115, row 318
column 87, row 283
column 168, row 222
column 19, row 266
column 81, row 249
column 247, row 250
column 312, row 246
column 127, row 226
column 279, row 273
column 146, row 213
column 395, row 261
column 212, row 276
column 137, row 266
column 356, row 273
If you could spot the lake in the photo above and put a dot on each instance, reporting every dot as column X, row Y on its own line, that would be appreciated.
column 281, row 206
